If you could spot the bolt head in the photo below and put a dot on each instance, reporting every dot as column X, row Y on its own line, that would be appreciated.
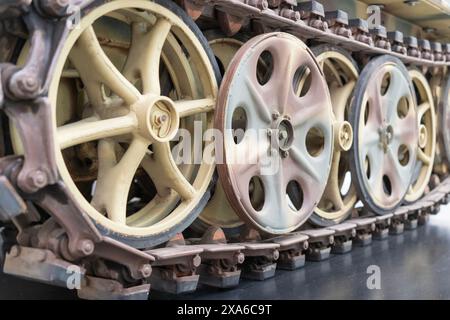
column 197, row 261
column 275, row 115
column 276, row 255
column 86, row 247
column 14, row 251
column 38, row 179
column 145, row 270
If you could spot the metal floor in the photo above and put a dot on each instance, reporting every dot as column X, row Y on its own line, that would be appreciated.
column 415, row 265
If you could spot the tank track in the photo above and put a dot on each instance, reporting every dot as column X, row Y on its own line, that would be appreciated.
column 44, row 251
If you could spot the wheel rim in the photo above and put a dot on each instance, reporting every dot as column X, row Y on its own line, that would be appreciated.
column 339, row 195
column 147, row 115
column 386, row 122
column 445, row 122
column 218, row 212
column 427, row 136
column 279, row 201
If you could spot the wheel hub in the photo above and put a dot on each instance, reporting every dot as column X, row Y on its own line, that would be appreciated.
column 285, row 134
column 158, row 119
column 345, row 136
column 423, row 136
column 386, row 137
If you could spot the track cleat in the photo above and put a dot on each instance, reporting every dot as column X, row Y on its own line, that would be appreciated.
column 292, row 250
column 398, row 221
column 425, row 48
column 414, row 211
column 382, row 225
column 313, row 14
column 446, row 49
column 320, row 242
column 105, row 289
column 360, row 31
column 436, row 49
column 343, row 235
column 364, row 229
column 380, row 37
column 260, row 260
column 413, row 47
column 396, row 40
column 174, row 269
column 219, row 266
column 338, row 23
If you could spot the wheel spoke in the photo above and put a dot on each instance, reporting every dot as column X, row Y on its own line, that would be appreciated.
column 145, row 54
column 309, row 111
column 406, row 133
column 423, row 157
column 422, row 109
column 304, row 163
column 340, row 96
column 114, row 181
column 376, row 158
column 91, row 129
column 165, row 173
column 96, row 69
column 393, row 170
column 259, row 102
column 188, row 108
column 283, row 78
column 332, row 192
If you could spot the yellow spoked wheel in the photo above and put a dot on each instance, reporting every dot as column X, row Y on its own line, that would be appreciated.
column 123, row 88
column 426, row 118
column 341, row 73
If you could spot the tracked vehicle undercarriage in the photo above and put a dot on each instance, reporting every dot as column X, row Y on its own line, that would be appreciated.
column 318, row 132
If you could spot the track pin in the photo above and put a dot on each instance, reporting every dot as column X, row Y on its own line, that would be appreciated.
column 320, row 242
column 364, row 229
column 343, row 237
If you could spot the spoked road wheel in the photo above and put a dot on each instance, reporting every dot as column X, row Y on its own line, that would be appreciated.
column 341, row 73
column 384, row 118
column 277, row 146
column 427, row 124
column 123, row 86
